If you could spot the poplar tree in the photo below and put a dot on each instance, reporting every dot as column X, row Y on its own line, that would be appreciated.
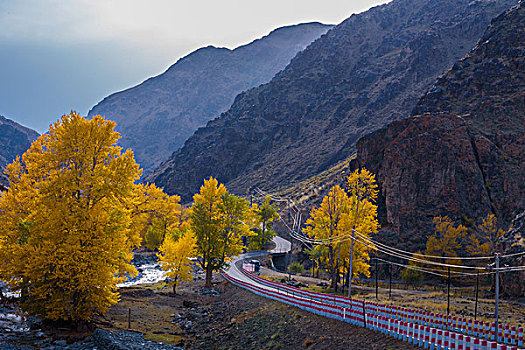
column 65, row 237
column 219, row 221
column 333, row 222
column 156, row 214
column 264, row 215
column 446, row 241
column 174, row 257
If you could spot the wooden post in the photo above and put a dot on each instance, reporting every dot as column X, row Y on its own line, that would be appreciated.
column 129, row 318
column 364, row 313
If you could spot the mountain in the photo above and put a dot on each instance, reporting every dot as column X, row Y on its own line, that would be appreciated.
column 363, row 74
column 462, row 154
column 15, row 139
column 157, row 116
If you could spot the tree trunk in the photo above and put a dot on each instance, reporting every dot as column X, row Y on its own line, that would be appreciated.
column 208, row 276
column 331, row 261
column 344, row 280
column 175, row 286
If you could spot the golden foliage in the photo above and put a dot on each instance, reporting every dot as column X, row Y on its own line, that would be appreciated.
column 447, row 240
column 156, row 214
column 219, row 221
column 362, row 185
column 65, row 237
column 337, row 218
column 485, row 241
column 264, row 216
column 174, row 257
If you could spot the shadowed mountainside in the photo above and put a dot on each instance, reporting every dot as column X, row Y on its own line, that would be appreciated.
column 157, row 116
column 363, row 74
column 15, row 139
column 463, row 154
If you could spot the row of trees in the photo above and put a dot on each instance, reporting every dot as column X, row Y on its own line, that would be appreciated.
column 454, row 240
column 219, row 224
column 74, row 213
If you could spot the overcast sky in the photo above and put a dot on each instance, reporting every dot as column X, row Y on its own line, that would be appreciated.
column 61, row 55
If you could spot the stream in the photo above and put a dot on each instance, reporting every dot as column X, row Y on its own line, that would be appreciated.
column 17, row 328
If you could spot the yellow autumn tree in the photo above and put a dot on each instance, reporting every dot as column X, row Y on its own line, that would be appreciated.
column 174, row 257
column 362, row 193
column 156, row 214
column 219, row 221
column 65, row 237
column 485, row 240
column 329, row 224
column 447, row 241
column 341, row 217
column 264, row 215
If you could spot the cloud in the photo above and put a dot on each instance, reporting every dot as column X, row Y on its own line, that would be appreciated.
column 58, row 55
column 164, row 23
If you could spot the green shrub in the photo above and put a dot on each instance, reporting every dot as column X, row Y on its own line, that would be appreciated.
column 297, row 267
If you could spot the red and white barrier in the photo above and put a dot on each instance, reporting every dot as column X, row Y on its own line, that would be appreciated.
column 429, row 330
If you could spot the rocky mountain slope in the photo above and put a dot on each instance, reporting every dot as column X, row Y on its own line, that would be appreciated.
column 463, row 153
column 15, row 139
column 513, row 284
column 363, row 74
column 157, row 116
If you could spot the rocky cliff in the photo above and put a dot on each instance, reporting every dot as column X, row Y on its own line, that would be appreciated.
column 463, row 153
column 513, row 243
column 364, row 73
column 15, row 139
column 157, row 116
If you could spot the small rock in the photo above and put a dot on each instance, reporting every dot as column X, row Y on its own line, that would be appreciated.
column 189, row 303
column 60, row 342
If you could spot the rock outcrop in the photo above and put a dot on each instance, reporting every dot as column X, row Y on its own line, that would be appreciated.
column 157, row 116
column 15, row 139
column 463, row 153
column 513, row 243
column 363, row 74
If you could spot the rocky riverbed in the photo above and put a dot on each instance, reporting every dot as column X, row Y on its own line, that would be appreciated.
column 21, row 331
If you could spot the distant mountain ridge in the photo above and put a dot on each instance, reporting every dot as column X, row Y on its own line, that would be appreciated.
column 363, row 74
column 463, row 153
column 15, row 139
column 157, row 116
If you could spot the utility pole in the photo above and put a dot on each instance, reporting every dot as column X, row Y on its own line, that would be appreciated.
column 376, row 280
column 290, row 259
column 496, row 255
column 390, row 288
column 291, row 244
column 448, row 292
column 477, row 291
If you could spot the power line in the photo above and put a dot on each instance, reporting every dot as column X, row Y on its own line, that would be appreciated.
column 383, row 248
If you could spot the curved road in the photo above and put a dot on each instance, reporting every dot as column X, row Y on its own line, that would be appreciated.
column 281, row 246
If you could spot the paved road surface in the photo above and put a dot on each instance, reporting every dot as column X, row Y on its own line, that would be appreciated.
column 281, row 245
column 234, row 270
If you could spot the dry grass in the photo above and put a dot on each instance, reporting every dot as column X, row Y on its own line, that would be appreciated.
column 151, row 309
column 461, row 305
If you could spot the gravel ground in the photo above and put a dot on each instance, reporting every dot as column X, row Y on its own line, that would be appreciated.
column 238, row 319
